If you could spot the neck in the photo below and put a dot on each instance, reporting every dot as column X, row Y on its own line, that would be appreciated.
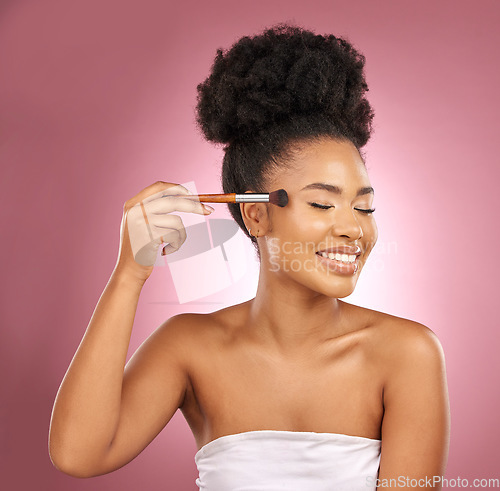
column 291, row 317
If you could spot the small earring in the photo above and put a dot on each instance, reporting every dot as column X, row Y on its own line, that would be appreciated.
column 250, row 232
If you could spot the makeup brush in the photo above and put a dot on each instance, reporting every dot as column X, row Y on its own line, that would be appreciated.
column 278, row 198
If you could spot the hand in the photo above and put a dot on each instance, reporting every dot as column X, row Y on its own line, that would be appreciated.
column 147, row 222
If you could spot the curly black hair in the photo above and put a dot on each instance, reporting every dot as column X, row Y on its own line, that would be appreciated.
column 276, row 89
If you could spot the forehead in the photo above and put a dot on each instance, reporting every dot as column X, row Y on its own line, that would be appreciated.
column 327, row 161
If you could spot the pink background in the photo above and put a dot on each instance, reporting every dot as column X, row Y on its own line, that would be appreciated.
column 97, row 102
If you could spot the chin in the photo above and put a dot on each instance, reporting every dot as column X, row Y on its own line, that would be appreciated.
column 338, row 291
column 329, row 285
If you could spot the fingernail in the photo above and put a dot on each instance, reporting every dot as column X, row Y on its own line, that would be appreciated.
column 209, row 208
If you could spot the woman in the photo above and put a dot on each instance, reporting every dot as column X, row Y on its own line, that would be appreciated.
column 294, row 389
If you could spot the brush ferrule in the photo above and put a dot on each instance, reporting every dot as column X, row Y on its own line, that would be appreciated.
column 252, row 198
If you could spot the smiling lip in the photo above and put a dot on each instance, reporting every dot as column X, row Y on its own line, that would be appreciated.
column 339, row 267
column 350, row 250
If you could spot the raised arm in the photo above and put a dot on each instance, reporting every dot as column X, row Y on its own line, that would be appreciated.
column 416, row 422
column 104, row 413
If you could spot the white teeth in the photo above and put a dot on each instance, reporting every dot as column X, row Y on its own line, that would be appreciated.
column 345, row 258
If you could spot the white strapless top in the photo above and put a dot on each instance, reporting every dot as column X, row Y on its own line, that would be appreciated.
column 274, row 460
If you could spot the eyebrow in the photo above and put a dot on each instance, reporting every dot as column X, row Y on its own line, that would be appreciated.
column 337, row 190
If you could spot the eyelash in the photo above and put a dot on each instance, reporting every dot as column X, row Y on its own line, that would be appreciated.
column 369, row 211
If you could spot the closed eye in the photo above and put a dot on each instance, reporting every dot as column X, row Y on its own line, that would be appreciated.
column 367, row 211
column 323, row 207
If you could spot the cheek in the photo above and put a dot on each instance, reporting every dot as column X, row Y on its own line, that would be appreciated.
column 370, row 233
column 298, row 237
column 302, row 229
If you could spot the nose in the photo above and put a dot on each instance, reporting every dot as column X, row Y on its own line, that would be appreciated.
column 345, row 224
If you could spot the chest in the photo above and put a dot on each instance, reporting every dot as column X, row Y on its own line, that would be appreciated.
column 325, row 389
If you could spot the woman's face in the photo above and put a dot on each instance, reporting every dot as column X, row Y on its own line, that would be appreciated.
column 328, row 189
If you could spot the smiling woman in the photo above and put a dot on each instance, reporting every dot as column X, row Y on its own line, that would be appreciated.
column 329, row 214
column 294, row 389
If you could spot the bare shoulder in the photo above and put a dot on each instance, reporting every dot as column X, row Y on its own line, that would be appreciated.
column 401, row 343
column 182, row 327
column 410, row 340
column 202, row 327
column 396, row 340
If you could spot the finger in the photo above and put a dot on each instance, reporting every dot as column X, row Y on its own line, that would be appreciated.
column 144, row 228
column 168, row 249
column 173, row 240
column 176, row 203
column 164, row 224
column 156, row 190
column 173, row 190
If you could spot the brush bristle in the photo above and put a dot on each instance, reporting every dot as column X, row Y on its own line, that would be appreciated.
column 279, row 197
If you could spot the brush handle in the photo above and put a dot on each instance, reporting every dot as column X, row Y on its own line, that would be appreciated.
column 216, row 198
column 231, row 198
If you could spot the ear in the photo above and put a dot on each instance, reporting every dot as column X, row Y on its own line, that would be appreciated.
column 255, row 217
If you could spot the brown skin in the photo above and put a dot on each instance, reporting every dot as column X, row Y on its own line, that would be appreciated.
column 295, row 357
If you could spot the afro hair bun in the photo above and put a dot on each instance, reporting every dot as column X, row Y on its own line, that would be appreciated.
column 280, row 75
